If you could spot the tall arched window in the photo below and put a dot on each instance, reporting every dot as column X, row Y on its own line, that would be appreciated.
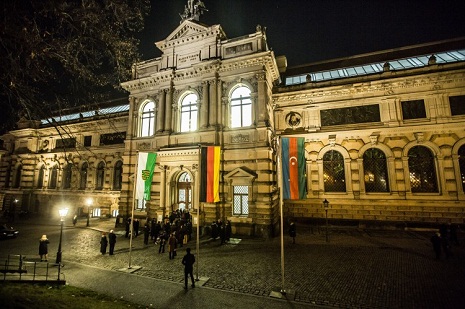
column 375, row 168
column 333, row 172
column 40, row 178
column 147, row 119
column 241, row 107
column 100, row 176
column 52, row 183
column 118, row 175
column 83, row 176
column 67, row 174
column 422, row 170
column 189, row 112
column 462, row 166
column 17, row 176
column 184, row 191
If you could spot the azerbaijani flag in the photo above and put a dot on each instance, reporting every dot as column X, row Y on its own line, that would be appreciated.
column 293, row 162
column 145, row 168
column 210, row 174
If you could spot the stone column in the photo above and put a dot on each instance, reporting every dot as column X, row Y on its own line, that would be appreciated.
column 132, row 114
column 219, row 111
column 163, row 188
column 213, row 102
column 204, row 106
column 168, row 113
column 161, row 111
column 261, row 100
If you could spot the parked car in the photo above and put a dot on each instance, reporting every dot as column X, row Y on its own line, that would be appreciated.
column 8, row 232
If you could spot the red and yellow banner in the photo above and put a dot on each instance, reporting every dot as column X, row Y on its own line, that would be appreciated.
column 210, row 174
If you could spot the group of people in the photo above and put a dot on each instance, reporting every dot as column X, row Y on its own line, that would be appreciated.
column 223, row 231
column 443, row 239
column 104, row 241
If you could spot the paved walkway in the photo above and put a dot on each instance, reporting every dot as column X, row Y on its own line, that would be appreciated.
column 356, row 268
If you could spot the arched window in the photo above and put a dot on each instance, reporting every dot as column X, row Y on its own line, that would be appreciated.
column 375, row 168
column 462, row 165
column 83, row 176
column 40, row 178
column 333, row 172
column 188, row 110
column 100, row 176
column 118, row 175
column 241, row 107
column 422, row 170
column 147, row 119
column 17, row 176
column 67, row 174
column 184, row 191
column 52, row 183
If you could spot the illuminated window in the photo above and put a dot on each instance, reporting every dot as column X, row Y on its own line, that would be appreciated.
column 241, row 107
column 240, row 200
column 375, row 168
column 333, row 172
column 462, row 166
column 67, row 174
column 52, row 184
column 422, row 170
column 100, row 176
column 40, row 179
column 147, row 119
column 184, row 191
column 118, row 175
column 188, row 110
column 83, row 176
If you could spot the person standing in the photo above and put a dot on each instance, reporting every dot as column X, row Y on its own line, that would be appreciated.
column 228, row 230
column 172, row 246
column 43, row 248
column 292, row 231
column 128, row 227
column 112, row 241
column 103, row 243
column 74, row 220
column 136, row 227
column 146, row 234
column 188, row 261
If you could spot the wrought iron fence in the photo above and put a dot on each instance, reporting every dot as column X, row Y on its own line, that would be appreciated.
column 17, row 268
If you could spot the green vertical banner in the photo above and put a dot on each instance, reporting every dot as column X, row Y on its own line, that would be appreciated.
column 145, row 169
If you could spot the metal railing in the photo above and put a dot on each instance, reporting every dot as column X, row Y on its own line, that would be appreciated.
column 16, row 268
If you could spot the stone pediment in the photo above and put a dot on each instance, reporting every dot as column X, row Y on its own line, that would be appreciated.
column 241, row 175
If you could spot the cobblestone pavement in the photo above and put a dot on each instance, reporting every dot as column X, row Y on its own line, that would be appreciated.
column 355, row 269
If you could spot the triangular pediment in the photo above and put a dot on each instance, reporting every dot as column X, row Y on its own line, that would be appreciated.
column 186, row 29
column 241, row 172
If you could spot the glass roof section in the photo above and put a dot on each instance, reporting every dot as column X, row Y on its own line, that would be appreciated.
column 88, row 114
column 399, row 64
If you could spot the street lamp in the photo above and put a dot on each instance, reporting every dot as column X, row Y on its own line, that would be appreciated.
column 63, row 213
column 326, row 206
column 89, row 203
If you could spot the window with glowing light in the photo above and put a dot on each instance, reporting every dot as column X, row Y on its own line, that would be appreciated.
column 184, row 191
column 375, row 169
column 147, row 119
column 240, row 200
column 188, row 112
column 241, row 107
column 333, row 172
column 422, row 170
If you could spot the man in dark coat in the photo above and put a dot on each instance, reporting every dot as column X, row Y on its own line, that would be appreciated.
column 188, row 261
column 146, row 234
column 292, row 231
column 112, row 241
column 136, row 227
column 128, row 227
column 103, row 243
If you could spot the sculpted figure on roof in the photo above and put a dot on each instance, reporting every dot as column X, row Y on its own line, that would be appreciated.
column 193, row 11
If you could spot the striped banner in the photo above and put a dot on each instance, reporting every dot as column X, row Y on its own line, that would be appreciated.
column 293, row 161
column 210, row 174
column 145, row 169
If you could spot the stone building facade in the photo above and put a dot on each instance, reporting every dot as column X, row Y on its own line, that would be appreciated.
column 384, row 136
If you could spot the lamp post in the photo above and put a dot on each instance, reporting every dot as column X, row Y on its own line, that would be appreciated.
column 63, row 213
column 326, row 206
column 89, row 203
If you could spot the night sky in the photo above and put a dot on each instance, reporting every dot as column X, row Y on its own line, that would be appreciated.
column 308, row 31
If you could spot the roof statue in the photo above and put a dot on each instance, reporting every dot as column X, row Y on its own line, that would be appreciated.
column 193, row 11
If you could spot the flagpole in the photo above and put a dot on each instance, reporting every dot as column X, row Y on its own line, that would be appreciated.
column 280, row 184
column 198, row 214
column 131, row 226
